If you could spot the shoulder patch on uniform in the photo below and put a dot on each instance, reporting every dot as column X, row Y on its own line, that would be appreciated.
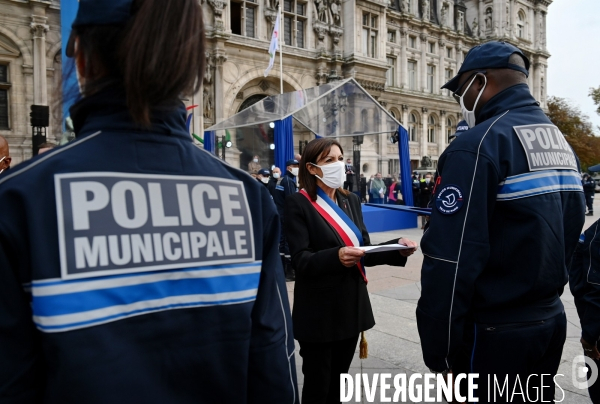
column 449, row 200
column 546, row 147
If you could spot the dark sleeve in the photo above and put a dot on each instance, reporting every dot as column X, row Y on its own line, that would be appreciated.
column 306, row 261
column 20, row 367
column 584, row 281
column 455, row 249
column 289, row 187
column 272, row 369
column 577, row 276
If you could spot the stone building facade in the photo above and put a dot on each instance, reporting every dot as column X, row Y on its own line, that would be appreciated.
column 401, row 51
column 30, row 70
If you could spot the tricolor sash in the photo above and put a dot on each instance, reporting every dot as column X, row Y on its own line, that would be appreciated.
column 337, row 218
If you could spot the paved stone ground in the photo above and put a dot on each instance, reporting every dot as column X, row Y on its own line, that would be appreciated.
column 394, row 345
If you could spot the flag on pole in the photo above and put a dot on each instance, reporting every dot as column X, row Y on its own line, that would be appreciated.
column 273, row 45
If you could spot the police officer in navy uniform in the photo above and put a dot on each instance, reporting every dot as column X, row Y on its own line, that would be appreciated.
column 134, row 266
column 584, row 281
column 286, row 187
column 589, row 188
column 461, row 127
column 507, row 211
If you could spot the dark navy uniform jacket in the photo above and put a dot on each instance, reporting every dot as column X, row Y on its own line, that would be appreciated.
column 507, row 211
column 589, row 186
column 137, row 268
column 584, row 280
column 286, row 187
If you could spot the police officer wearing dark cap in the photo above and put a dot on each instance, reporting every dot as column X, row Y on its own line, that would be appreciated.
column 286, row 187
column 150, row 272
column 263, row 176
column 506, row 215
column 460, row 128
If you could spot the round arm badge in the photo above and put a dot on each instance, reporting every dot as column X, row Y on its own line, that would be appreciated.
column 449, row 200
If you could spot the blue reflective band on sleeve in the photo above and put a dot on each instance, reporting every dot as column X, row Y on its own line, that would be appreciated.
column 537, row 183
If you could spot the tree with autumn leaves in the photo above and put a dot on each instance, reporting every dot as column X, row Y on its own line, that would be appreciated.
column 577, row 128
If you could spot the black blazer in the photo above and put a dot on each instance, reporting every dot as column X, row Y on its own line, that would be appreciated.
column 330, row 300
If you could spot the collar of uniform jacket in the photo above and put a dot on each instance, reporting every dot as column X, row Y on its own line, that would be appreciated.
column 511, row 98
column 107, row 110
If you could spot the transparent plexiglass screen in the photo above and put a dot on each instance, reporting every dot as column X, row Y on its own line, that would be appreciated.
column 336, row 109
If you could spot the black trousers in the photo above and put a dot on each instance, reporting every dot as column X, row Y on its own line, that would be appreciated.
column 514, row 352
column 589, row 201
column 322, row 364
column 594, row 389
column 349, row 185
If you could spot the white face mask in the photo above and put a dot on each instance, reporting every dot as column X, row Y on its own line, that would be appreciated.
column 275, row 175
column 427, row 180
column 265, row 180
column 294, row 171
column 333, row 174
column 255, row 160
column 469, row 116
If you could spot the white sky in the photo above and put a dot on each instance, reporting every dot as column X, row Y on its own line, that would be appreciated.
column 573, row 40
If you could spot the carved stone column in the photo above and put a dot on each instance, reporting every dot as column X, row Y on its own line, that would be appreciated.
column 423, row 72
column 482, row 27
column 442, row 137
column 40, row 88
column 536, row 81
column 403, row 59
column 425, row 125
column 405, row 117
column 511, row 5
column 219, row 58
column 543, row 31
column 442, row 67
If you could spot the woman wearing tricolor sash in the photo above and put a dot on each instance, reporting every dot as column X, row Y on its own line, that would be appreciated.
column 324, row 227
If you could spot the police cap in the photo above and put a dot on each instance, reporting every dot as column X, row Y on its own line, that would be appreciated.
column 264, row 172
column 490, row 55
column 99, row 12
column 291, row 162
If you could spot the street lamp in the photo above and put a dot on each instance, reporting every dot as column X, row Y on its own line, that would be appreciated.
column 357, row 142
column 224, row 142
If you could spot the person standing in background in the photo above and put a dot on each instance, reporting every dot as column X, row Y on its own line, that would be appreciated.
column 377, row 189
column 254, row 165
column 589, row 189
column 349, row 183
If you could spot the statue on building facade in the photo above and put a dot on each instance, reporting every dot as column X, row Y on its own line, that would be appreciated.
column 336, row 9
column 274, row 4
column 460, row 22
column 444, row 17
column 207, row 103
column 488, row 19
column 475, row 27
column 321, row 6
column 425, row 7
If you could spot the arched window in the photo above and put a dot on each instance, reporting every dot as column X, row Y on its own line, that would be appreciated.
column 412, row 127
column 450, row 129
column 521, row 24
column 431, row 129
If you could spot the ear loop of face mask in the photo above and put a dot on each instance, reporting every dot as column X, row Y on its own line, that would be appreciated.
column 1, row 160
column 469, row 116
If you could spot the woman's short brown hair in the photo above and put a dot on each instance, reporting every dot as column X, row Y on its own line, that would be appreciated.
column 312, row 154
